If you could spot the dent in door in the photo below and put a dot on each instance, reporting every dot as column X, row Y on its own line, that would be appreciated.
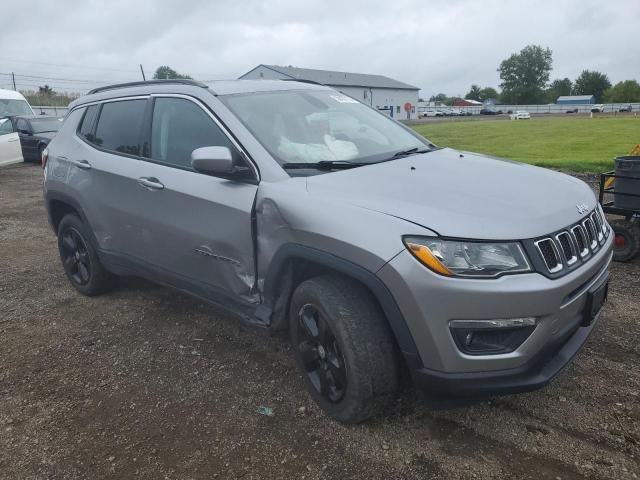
column 234, row 276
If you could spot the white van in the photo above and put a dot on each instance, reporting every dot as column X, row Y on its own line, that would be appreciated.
column 11, row 104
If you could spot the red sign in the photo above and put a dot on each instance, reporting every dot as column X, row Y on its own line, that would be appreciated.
column 407, row 107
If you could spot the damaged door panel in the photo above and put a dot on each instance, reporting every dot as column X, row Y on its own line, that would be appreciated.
column 199, row 227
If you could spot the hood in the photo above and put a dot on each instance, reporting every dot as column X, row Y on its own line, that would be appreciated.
column 462, row 194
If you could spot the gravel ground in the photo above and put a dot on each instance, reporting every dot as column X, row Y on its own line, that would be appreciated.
column 149, row 383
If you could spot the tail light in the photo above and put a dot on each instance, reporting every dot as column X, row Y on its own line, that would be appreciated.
column 45, row 157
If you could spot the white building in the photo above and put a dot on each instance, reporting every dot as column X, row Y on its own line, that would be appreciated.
column 399, row 100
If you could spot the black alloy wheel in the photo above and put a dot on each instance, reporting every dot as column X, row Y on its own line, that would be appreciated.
column 322, row 359
column 75, row 256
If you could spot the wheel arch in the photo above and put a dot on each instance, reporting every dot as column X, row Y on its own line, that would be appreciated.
column 295, row 263
column 59, row 205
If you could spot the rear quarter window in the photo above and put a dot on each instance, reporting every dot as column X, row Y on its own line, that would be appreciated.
column 120, row 125
column 85, row 129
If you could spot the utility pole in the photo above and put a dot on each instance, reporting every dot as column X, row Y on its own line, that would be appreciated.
column 142, row 71
column 13, row 80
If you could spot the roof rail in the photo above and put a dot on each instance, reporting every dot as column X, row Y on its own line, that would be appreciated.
column 180, row 81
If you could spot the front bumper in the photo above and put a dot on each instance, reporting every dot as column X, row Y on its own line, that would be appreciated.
column 429, row 301
column 535, row 374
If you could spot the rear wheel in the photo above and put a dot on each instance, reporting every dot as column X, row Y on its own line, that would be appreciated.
column 626, row 243
column 344, row 348
column 80, row 260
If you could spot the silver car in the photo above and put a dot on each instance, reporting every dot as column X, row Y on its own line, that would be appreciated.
column 301, row 209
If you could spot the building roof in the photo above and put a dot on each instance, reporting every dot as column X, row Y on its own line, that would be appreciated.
column 466, row 102
column 345, row 79
column 565, row 98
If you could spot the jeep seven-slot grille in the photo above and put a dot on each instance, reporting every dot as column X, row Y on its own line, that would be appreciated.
column 577, row 241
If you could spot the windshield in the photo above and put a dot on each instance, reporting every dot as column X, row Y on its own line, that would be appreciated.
column 308, row 126
column 14, row 107
column 41, row 125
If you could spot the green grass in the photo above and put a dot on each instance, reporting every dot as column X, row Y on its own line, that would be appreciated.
column 575, row 144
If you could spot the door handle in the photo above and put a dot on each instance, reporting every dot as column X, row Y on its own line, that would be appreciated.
column 83, row 164
column 150, row 183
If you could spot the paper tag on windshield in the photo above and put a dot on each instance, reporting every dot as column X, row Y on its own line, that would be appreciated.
column 343, row 99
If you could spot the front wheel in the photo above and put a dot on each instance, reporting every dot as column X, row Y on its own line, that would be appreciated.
column 626, row 243
column 343, row 347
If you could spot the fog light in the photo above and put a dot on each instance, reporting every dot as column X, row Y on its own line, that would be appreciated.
column 492, row 336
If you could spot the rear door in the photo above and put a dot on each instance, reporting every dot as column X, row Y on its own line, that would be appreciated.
column 10, row 151
column 104, row 169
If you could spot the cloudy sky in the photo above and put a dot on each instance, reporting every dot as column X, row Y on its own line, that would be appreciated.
column 438, row 45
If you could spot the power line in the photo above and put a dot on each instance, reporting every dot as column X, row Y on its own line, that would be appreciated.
column 67, row 65
column 70, row 80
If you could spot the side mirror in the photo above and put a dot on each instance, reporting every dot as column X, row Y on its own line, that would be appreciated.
column 213, row 161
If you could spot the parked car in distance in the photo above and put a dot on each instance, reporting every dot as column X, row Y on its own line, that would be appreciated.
column 520, row 115
column 625, row 108
column 302, row 210
column 433, row 113
column 13, row 103
column 572, row 110
column 35, row 134
column 597, row 108
column 10, row 151
column 490, row 111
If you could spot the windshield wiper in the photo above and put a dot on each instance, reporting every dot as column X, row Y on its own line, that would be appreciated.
column 324, row 165
column 409, row 151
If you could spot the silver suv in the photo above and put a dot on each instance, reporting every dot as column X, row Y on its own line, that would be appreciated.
column 301, row 209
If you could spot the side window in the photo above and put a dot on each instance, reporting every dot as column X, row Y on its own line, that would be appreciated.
column 22, row 124
column 120, row 125
column 179, row 127
column 5, row 126
column 86, row 126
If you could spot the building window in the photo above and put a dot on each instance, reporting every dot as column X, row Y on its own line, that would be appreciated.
column 398, row 109
column 261, row 74
column 413, row 109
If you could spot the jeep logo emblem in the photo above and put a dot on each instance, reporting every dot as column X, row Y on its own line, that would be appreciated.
column 582, row 208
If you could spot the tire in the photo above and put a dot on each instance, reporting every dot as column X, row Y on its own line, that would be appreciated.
column 80, row 260
column 344, row 348
column 626, row 243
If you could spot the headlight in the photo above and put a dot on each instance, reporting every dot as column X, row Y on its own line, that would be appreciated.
column 465, row 258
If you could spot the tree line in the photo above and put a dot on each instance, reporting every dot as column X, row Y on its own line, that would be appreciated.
column 525, row 81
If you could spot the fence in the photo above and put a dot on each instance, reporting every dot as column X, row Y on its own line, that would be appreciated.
column 50, row 111
column 475, row 110
column 540, row 109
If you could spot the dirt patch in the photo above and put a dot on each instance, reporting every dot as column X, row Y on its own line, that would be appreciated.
column 149, row 383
